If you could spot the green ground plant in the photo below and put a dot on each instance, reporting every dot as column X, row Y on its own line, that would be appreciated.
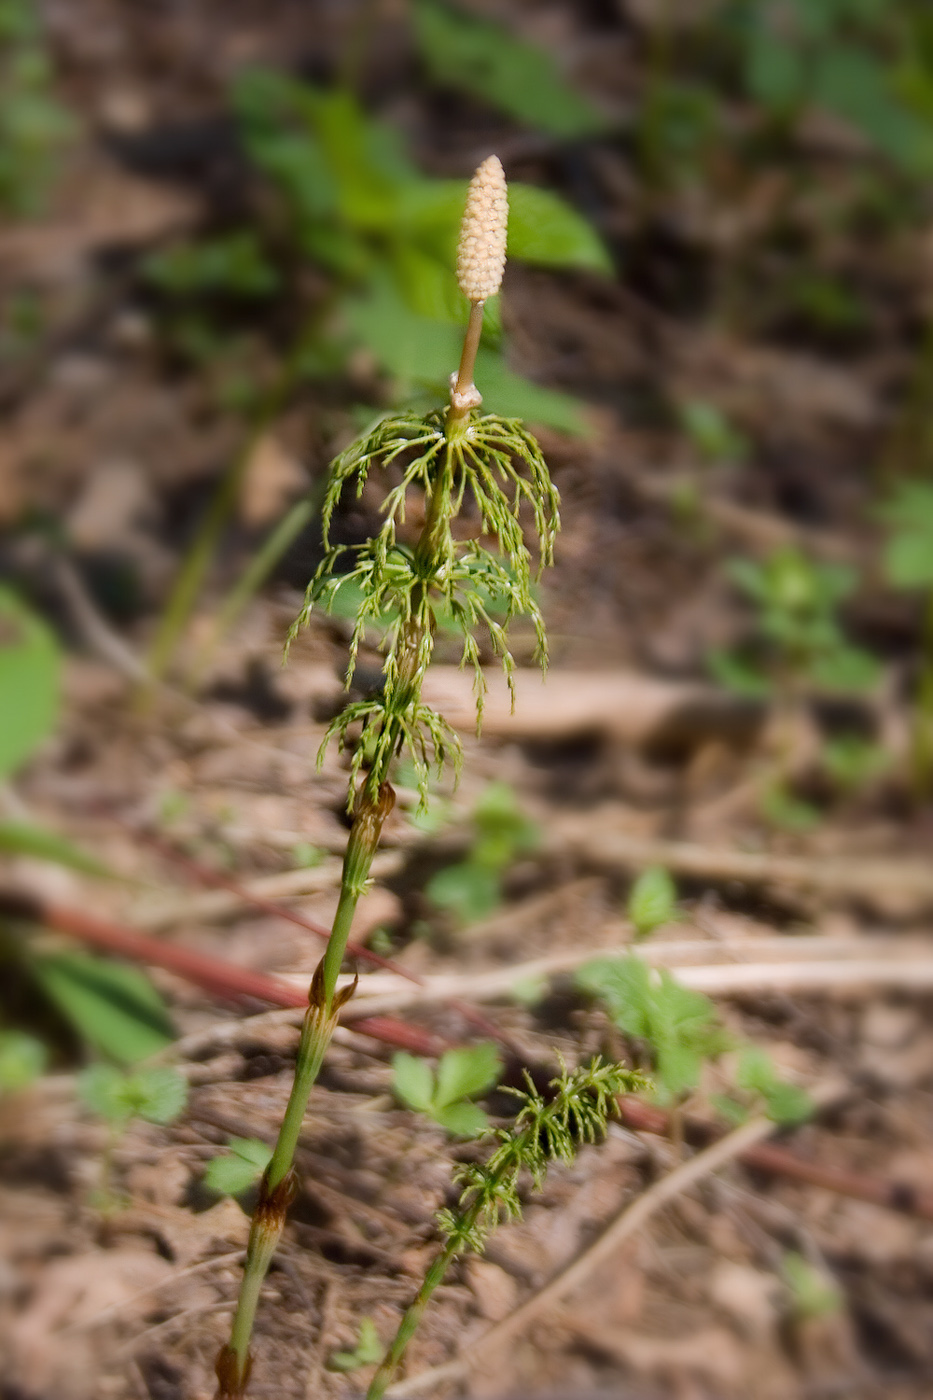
column 368, row 1349
column 34, row 125
column 908, row 564
column 446, row 1096
column 471, row 889
column 652, row 901
column 680, row 1030
column 797, row 648
column 157, row 1094
column 236, row 1171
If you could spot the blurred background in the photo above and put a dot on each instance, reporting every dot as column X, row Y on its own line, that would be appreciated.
column 227, row 241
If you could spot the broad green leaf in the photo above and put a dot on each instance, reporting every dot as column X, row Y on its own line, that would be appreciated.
column 464, row 1120
column 461, row 1074
column 21, row 838
column 29, row 681
column 22, row 1060
column 482, row 58
column 238, row 1169
column 115, row 1008
column 652, row 901
column 413, row 1081
column 544, row 229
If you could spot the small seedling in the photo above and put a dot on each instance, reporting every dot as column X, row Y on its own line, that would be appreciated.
column 461, row 1075
column 908, row 562
column 240, row 1168
column 471, row 889
column 22, row 1060
column 852, row 761
column 367, row 1351
column 798, row 646
column 652, row 901
column 759, row 1084
column 682, row 1032
column 158, row 1095
column 812, row 1293
column 679, row 1027
column 799, row 640
column 34, row 126
column 715, row 439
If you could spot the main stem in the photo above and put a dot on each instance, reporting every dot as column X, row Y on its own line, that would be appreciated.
column 374, row 802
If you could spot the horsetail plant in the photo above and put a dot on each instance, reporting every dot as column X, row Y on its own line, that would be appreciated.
column 458, row 460
column 543, row 1131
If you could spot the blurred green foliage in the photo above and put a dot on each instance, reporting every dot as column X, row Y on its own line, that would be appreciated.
column 462, row 1075
column 34, row 126
column 471, row 889
column 485, row 60
column 799, row 639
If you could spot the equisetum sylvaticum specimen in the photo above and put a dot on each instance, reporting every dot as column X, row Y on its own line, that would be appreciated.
column 489, row 471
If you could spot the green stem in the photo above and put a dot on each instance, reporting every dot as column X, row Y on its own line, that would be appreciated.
column 411, row 1321
column 278, row 1182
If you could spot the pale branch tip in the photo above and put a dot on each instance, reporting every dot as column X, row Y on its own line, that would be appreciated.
column 481, row 250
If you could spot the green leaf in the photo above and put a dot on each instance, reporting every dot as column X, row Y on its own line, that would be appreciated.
column 852, row 760
column 480, row 57
column 679, row 1025
column 516, row 397
column 238, row 1169
column 845, row 668
column 711, row 433
column 544, row 229
column 413, row 1081
column 367, row 1352
column 419, row 350
column 908, row 560
column 463, row 1119
column 786, row 1103
column 22, row 1060
column 732, row 671
column 652, row 901
column 467, row 890
column 21, row 838
column 29, row 681
column 466, row 1072
column 812, row 1293
column 234, row 265
column 782, row 809
column 157, row 1094
column 115, row 1008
